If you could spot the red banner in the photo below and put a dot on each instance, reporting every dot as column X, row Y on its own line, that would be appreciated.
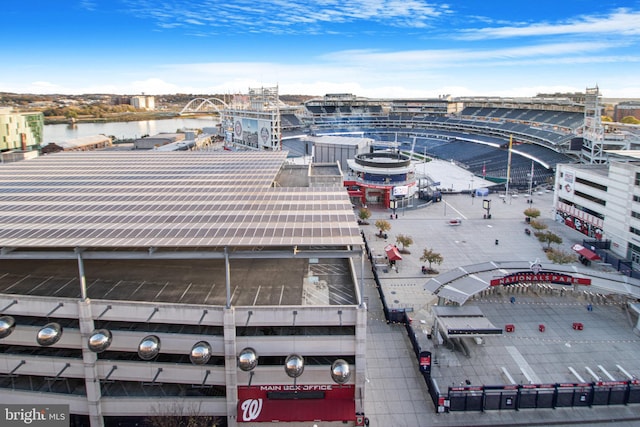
column 309, row 402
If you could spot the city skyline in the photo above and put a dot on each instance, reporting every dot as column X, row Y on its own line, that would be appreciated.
column 372, row 48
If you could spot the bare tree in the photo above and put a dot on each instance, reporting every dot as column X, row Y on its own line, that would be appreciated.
column 177, row 415
column 559, row 256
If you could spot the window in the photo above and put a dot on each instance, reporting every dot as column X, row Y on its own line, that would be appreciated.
column 634, row 252
column 591, row 184
column 591, row 198
column 637, row 180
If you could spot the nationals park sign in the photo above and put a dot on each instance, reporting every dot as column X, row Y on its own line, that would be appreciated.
column 541, row 276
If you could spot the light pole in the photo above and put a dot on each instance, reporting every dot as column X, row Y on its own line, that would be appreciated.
column 472, row 191
column 531, row 182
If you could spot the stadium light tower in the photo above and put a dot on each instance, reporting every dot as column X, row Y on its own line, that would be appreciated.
column 593, row 131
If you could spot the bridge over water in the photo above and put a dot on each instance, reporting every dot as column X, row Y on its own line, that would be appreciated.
column 204, row 105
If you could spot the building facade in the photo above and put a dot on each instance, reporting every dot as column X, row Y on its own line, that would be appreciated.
column 20, row 131
column 144, row 102
column 180, row 284
column 626, row 109
column 603, row 202
column 381, row 177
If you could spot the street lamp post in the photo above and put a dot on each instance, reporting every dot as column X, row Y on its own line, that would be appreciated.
column 472, row 191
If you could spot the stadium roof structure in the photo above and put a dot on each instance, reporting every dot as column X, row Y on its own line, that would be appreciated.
column 152, row 202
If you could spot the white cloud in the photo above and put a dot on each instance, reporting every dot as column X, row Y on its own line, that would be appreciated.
column 193, row 21
column 88, row 5
column 578, row 52
column 290, row 16
column 621, row 22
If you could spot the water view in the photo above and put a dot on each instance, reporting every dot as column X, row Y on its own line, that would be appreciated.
column 124, row 130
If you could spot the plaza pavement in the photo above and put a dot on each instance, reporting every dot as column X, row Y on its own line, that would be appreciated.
column 396, row 394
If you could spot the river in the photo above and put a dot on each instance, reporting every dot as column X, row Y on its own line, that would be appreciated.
column 124, row 130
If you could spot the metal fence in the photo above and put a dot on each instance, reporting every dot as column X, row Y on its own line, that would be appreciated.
column 508, row 397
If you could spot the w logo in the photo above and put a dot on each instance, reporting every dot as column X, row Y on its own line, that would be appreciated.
column 251, row 409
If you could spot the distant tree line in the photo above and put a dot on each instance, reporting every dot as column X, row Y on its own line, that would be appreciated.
column 95, row 110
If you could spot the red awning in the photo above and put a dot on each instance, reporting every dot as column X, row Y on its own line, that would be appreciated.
column 392, row 253
column 587, row 253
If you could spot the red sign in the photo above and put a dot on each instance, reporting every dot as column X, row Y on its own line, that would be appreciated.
column 563, row 279
column 286, row 402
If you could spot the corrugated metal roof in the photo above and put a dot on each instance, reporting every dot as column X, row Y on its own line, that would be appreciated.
column 178, row 199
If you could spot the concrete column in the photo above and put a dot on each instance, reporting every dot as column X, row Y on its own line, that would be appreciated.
column 231, row 366
column 92, row 381
column 361, row 358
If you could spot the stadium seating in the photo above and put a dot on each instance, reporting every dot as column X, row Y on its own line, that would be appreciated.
column 476, row 138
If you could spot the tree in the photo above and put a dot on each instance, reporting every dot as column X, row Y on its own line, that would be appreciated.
column 364, row 216
column 559, row 256
column 549, row 237
column 383, row 226
column 531, row 213
column 405, row 241
column 538, row 226
column 630, row 120
column 430, row 256
column 177, row 415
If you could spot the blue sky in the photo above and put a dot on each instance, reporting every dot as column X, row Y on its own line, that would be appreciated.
column 373, row 48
